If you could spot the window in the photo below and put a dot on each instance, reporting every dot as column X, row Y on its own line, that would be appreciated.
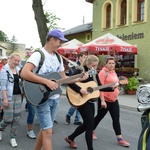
column 88, row 37
column 140, row 10
column 123, row 15
column 108, row 16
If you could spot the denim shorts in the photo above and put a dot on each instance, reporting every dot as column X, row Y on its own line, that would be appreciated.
column 46, row 113
column 31, row 113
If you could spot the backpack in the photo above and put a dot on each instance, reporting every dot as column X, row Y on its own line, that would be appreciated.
column 39, row 67
column 43, row 58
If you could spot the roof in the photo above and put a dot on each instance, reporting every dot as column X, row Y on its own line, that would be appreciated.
column 79, row 29
column 3, row 47
column 90, row 1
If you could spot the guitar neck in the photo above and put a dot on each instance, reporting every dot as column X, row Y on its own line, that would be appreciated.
column 67, row 80
column 103, row 86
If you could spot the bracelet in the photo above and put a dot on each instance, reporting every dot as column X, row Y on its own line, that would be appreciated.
column 79, row 80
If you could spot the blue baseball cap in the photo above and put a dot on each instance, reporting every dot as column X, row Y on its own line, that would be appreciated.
column 57, row 34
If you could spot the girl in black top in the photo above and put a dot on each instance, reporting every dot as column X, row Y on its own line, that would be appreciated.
column 86, row 110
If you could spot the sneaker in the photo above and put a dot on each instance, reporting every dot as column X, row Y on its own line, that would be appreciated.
column 31, row 134
column 67, row 119
column 13, row 142
column 78, row 123
column 71, row 143
column 122, row 142
column 94, row 136
column 1, row 135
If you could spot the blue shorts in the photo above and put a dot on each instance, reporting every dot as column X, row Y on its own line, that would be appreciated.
column 46, row 113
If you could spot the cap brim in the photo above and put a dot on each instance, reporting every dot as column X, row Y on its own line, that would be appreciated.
column 64, row 39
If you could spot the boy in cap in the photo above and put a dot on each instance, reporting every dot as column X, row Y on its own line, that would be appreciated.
column 46, row 112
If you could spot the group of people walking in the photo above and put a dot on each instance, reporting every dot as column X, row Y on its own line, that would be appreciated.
column 11, row 95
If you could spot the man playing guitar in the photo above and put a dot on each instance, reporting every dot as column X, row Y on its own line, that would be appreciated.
column 46, row 112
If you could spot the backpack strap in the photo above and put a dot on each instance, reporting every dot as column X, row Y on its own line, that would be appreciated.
column 43, row 58
column 106, row 74
column 58, row 56
column 41, row 61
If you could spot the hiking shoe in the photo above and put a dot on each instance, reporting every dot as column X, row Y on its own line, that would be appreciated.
column 94, row 136
column 13, row 142
column 67, row 119
column 31, row 134
column 71, row 143
column 78, row 123
column 122, row 142
column 1, row 134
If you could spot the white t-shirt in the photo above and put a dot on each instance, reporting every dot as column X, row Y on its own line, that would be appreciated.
column 51, row 64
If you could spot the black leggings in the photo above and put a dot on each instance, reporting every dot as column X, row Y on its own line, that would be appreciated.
column 114, row 111
column 87, row 113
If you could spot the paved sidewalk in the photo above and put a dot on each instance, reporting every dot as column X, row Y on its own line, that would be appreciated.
column 125, row 101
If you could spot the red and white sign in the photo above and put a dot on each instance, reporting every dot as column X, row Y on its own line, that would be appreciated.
column 108, row 43
column 70, row 47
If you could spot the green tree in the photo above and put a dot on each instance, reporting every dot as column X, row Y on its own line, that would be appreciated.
column 45, row 20
column 12, row 45
column 3, row 36
column 51, row 20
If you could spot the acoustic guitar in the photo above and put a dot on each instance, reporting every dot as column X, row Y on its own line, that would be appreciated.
column 76, row 99
column 38, row 94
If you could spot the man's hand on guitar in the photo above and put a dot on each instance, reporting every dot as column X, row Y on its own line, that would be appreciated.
column 52, row 84
column 83, row 92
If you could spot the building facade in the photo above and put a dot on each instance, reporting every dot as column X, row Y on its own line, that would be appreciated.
column 128, row 20
column 18, row 48
column 2, row 51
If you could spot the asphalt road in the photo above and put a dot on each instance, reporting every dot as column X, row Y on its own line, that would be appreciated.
column 130, row 123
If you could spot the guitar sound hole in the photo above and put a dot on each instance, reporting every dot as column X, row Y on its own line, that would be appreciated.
column 89, row 90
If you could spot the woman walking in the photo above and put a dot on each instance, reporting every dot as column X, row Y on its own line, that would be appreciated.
column 11, row 96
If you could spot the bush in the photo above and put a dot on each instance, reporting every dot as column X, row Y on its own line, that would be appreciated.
column 133, row 84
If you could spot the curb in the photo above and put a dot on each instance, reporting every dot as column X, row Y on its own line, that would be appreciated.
column 121, row 105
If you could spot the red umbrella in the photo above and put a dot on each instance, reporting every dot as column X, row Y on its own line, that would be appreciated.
column 70, row 47
column 106, row 44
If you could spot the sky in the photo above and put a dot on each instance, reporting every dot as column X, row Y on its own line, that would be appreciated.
column 17, row 18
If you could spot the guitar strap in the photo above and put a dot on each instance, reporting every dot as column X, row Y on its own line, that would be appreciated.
column 72, row 62
column 94, row 77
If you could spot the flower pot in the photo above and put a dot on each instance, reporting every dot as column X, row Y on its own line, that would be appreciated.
column 131, row 92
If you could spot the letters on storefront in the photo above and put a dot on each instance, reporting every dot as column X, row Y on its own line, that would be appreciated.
column 131, row 36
